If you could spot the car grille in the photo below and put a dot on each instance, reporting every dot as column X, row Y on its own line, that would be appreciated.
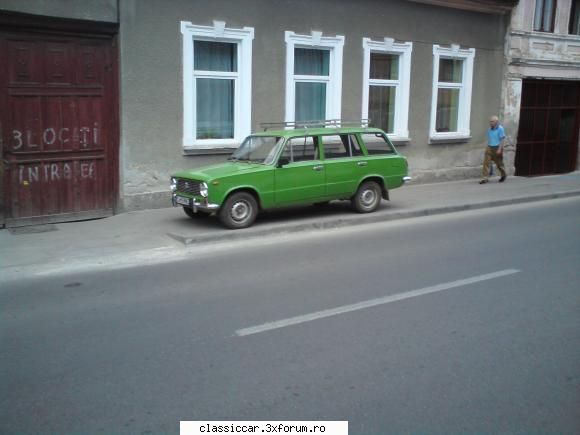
column 191, row 187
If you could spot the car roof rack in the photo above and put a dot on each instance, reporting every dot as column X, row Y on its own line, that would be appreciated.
column 336, row 123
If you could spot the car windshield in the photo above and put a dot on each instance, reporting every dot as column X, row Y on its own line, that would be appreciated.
column 257, row 149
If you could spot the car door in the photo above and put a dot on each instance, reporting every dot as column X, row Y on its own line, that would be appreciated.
column 344, row 163
column 299, row 176
column 384, row 160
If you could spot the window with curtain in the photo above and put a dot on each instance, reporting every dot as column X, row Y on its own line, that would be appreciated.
column 216, row 75
column 217, row 85
column 383, row 88
column 449, row 87
column 452, row 88
column 311, row 77
column 386, row 85
column 544, row 15
column 574, row 28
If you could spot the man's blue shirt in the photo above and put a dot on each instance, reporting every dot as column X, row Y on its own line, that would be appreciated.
column 495, row 136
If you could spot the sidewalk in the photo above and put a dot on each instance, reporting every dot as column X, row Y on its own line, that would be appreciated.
column 158, row 235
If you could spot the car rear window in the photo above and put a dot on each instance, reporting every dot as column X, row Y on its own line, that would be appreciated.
column 377, row 143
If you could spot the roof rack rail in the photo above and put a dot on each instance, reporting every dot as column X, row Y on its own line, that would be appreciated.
column 317, row 123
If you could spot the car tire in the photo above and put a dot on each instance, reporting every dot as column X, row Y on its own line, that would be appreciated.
column 367, row 197
column 239, row 211
column 195, row 215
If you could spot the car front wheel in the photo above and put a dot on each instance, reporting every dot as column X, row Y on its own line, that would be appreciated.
column 239, row 211
column 367, row 197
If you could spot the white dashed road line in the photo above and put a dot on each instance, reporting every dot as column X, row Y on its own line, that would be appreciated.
column 371, row 303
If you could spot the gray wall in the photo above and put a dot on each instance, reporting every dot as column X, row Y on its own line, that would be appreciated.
column 151, row 83
column 94, row 10
column 151, row 102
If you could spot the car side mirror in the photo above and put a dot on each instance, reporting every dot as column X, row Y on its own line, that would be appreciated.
column 283, row 161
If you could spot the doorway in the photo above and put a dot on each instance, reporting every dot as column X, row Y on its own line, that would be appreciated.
column 548, row 131
column 58, row 121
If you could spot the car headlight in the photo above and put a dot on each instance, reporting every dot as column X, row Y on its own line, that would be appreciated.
column 203, row 190
column 173, row 184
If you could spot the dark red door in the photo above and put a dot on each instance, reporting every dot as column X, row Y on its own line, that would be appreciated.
column 58, row 121
column 548, row 131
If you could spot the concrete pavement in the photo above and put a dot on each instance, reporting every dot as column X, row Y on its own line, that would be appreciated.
column 148, row 236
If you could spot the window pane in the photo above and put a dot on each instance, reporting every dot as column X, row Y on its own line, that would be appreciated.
column 575, row 18
column 258, row 148
column 382, row 107
column 337, row 146
column 311, row 62
column 215, row 56
column 450, row 70
column 384, row 66
column 310, row 101
column 538, row 14
column 352, row 144
column 544, row 15
column 548, row 10
column 299, row 149
column 215, row 108
column 447, row 110
column 303, row 149
column 377, row 144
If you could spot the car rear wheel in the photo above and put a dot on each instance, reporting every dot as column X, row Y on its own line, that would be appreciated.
column 367, row 197
column 195, row 215
column 239, row 211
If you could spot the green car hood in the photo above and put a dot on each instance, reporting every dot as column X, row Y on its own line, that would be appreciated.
column 220, row 170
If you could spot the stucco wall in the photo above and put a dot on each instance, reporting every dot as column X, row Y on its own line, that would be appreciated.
column 151, row 82
column 94, row 10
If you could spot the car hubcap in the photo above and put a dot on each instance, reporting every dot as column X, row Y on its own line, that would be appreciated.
column 240, row 211
column 368, row 198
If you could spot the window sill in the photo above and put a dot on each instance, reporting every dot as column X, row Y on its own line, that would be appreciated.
column 437, row 140
column 208, row 151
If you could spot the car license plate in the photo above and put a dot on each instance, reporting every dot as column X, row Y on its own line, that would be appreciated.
column 183, row 201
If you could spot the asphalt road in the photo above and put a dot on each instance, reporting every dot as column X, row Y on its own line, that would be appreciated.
column 468, row 322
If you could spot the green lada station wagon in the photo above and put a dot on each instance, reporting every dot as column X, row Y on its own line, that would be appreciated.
column 291, row 167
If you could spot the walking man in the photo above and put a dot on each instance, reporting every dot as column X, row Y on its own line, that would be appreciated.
column 494, row 150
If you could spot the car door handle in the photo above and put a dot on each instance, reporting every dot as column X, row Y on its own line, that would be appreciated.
column 318, row 168
column 362, row 163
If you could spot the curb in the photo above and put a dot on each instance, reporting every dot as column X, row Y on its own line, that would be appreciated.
column 168, row 254
column 187, row 240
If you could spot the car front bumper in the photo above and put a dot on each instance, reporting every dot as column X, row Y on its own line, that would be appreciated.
column 194, row 204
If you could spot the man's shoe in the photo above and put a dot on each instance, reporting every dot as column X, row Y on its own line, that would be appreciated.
column 502, row 179
column 483, row 182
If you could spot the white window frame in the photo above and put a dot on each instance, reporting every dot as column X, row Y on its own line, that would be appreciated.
column 333, row 81
column 465, row 89
column 243, row 82
column 402, row 85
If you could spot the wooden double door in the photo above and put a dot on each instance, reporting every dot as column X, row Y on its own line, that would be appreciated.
column 59, row 128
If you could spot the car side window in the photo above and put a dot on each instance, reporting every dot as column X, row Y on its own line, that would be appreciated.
column 354, row 145
column 299, row 149
column 342, row 145
column 377, row 143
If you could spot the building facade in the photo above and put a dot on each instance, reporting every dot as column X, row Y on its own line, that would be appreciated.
column 541, row 102
column 103, row 99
